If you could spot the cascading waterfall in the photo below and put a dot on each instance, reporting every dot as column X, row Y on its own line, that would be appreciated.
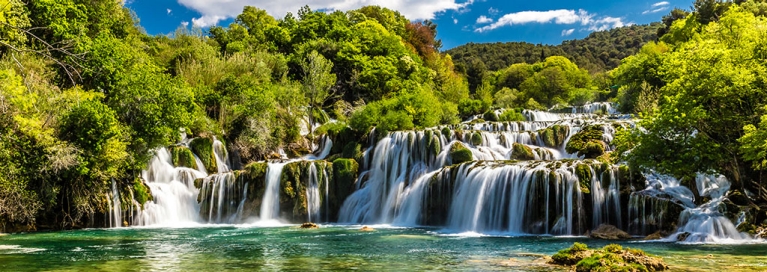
column 313, row 198
column 697, row 224
column 270, row 206
column 175, row 197
column 115, row 208
column 606, row 201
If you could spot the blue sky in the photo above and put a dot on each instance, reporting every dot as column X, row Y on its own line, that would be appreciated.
column 458, row 21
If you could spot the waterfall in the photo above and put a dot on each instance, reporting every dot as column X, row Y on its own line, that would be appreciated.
column 115, row 208
column 697, row 224
column 606, row 201
column 221, row 156
column 270, row 204
column 313, row 198
column 175, row 197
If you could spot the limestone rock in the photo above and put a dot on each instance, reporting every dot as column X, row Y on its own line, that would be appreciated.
column 309, row 225
column 609, row 232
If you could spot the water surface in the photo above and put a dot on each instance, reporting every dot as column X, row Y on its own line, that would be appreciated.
column 244, row 247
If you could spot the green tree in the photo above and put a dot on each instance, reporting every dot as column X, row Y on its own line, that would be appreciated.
column 318, row 81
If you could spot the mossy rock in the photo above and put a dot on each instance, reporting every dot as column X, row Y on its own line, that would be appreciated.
column 141, row 192
column 446, row 132
column 490, row 116
column 352, row 150
column 584, row 174
column 612, row 257
column 587, row 142
column 203, row 147
column 345, row 172
column 434, row 146
column 555, row 135
column 522, row 152
column 476, row 138
column 181, row 156
column 460, row 154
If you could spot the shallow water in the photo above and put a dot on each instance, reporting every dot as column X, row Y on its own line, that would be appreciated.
column 247, row 247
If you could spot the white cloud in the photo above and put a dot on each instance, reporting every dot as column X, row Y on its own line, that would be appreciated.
column 559, row 16
column 185, row 24
column 169, row 11
column 214, row 11
column 567, row 32
column 493, row 11
column 484, row 20
column 455, row 21
column 657, row 7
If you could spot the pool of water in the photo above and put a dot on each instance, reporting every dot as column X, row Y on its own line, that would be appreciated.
column 332, row 247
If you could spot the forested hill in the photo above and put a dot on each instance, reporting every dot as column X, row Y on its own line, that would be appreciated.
column 600, row 51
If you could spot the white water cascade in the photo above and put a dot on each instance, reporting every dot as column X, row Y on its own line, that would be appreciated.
column 175, row 197
column 697, row 224
column 270, row 206
column 115, row 208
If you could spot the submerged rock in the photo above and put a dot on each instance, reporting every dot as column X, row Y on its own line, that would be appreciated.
column 609, row 258
column 609, row 232
column 309, row 225
column 366, row 228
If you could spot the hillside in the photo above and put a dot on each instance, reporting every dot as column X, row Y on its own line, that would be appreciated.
column 598, row 52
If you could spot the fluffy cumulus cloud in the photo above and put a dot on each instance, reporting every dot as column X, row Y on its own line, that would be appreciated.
column 657, row 7
column 559, row 16
column 214, row 11
column 484, row 20
column 568, row 32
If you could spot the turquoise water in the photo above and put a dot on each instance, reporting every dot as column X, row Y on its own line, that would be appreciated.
column 213, row 248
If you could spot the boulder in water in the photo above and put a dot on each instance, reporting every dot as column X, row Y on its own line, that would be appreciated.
column 609, row 258
column 309, row 225
column 654, row 236
column 609, row 232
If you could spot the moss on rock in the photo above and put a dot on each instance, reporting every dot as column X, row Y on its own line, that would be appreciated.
column 476, row 138
column 587, row 142
column 345, row 173
column 203, row 147
column 460, row 154
column 181, row 156
column 583, row 171
column 554, row 136
column 141, row 192
column 612, row 257
column 522, row 152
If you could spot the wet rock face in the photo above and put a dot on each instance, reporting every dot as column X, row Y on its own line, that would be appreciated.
column 609, row 232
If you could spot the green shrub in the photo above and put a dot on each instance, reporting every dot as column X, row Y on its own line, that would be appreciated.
column 460, row 154
column 511, row 115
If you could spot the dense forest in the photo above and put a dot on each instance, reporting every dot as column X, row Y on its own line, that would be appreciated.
column 86, row 97
column 600, row 51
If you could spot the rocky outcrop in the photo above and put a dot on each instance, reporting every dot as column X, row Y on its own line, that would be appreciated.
column 460, row 154
column 345, row 172
column 609, row 232
column 293, row 184
column 609, row 258
column 203, row 147
column 522, row 152
column 181, row 156
column 554, row 136
column 587, row 142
